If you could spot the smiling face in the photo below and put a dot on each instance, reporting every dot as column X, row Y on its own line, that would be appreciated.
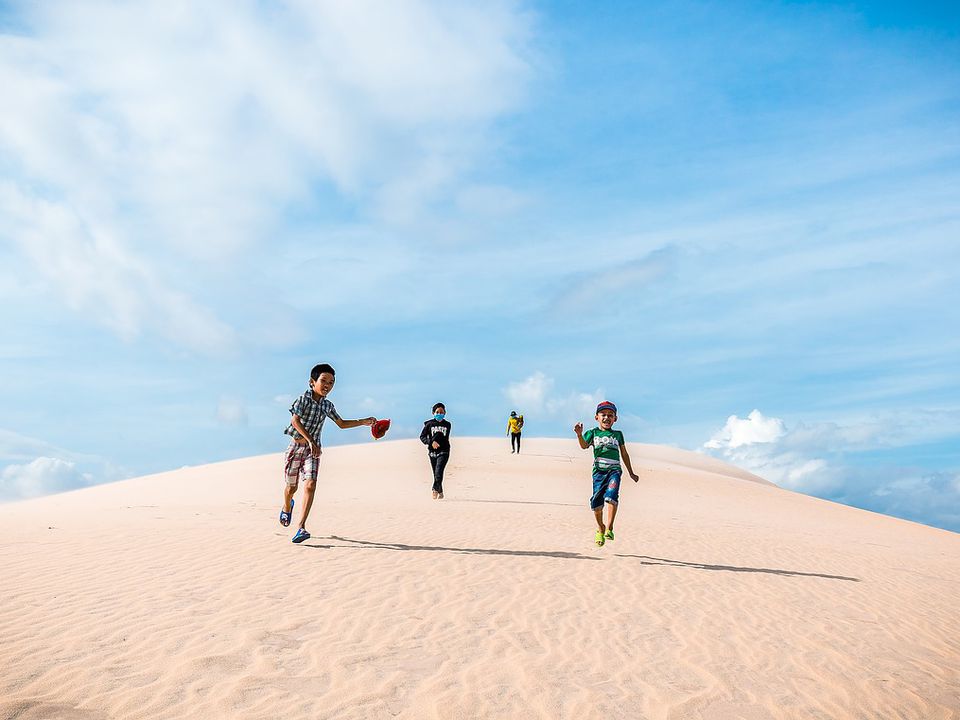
column 606, row 419
column 323, row 384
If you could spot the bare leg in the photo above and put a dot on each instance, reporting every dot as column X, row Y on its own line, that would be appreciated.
column 288, row 493
column 598, row 514
column 309, row 488
column 612, row 514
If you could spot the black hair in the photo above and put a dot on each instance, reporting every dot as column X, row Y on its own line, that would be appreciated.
column 318, row 370
column 439, row 405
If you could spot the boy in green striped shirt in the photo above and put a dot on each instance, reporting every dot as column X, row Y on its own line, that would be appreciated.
column 608, row 448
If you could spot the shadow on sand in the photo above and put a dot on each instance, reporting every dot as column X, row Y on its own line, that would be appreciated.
column 647, row 560
column 358, row 544
column 644, row 559
column 518, row 502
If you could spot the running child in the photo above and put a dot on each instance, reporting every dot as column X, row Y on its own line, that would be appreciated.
column 436, row 436
column 302, row 459
column 608, row 448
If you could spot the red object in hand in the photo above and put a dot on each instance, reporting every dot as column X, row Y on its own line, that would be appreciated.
column 379, row 428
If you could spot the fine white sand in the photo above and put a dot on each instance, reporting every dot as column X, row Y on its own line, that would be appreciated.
column 179, row 596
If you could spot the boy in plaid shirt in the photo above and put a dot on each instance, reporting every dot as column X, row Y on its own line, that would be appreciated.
column 302, row 458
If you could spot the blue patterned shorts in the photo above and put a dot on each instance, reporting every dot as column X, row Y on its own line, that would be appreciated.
column 606, row 487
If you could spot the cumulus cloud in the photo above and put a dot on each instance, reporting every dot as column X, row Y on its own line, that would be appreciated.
column 810, row 459
column 155, row 144
column 41, row 476
column 530, row 392
column 755, row 428
column 535, row 395
column 33, row 467
column 762, row 445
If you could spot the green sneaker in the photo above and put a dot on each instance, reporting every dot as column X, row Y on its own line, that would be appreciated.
column 608, row 534
column 599, row 539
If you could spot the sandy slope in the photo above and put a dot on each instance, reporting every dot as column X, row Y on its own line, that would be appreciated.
column 178, row 596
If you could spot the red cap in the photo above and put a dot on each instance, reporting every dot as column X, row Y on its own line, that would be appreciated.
column 379, row 428
column 606, row 405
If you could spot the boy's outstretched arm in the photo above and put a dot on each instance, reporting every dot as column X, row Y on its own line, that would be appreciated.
column 626, row 461
column 578, row 429
column 344, row 424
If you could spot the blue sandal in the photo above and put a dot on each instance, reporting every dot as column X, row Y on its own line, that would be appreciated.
column 285, row 516
column 300, row 536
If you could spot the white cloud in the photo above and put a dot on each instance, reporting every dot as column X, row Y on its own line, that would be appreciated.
column 923, row 497
column 765, row 447
column 35, row 467
column 810, row 459
column 531, row 392
column 755, row 428
column 535, row 397
column 156, row 145
column 98, row 275
column 41, row 476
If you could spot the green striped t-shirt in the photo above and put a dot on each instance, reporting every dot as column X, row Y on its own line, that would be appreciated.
column 606, row 448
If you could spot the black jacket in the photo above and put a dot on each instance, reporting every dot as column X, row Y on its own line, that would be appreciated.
column 439, row 432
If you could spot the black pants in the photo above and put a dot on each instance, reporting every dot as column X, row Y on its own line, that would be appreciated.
column 515, row 441
column 438, row 462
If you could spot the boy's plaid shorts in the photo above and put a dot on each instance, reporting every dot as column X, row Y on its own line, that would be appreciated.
column 299, row 464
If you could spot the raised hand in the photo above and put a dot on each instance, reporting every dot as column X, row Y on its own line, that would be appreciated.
column 578, row 428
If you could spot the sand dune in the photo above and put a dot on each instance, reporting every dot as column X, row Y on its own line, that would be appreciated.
column 179, row 596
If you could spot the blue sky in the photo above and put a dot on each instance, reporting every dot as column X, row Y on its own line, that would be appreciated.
column 738, row 220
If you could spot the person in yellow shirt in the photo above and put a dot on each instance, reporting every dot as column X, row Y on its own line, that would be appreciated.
column 514, row 426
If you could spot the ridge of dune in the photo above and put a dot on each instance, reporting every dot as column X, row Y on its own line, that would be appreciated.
column 656, row 457
column 723, row 596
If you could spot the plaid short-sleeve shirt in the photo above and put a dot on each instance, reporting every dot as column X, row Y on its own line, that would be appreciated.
column 312, row 413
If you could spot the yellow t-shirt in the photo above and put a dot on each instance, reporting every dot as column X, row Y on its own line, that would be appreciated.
column 514, row 424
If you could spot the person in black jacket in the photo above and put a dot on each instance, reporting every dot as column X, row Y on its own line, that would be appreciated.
column 436, row 436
